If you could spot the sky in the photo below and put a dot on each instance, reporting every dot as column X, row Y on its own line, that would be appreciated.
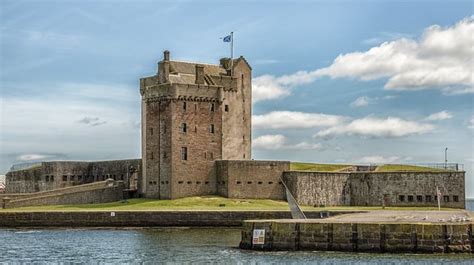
column 333, row 81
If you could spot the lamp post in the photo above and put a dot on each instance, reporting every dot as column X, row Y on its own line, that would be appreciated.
column 446, row 158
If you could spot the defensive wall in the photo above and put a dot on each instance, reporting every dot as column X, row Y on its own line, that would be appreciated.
column 97, row 192
column 325, row 235
column 252, row 179
column 377, row 188
column 59, row 174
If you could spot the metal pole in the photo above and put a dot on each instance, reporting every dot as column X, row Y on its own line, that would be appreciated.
column 446, row 158
column 231, row 53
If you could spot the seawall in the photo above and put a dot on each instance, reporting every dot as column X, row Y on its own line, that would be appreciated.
column 141, row 218
column 325, row 235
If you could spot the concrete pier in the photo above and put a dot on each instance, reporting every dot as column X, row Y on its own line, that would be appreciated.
column 343, row 234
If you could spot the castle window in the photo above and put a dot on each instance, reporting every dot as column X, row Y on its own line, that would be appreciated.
column 401, row 198
column 184, row 153
column 195, row 129
column 180, row 182
column 162, row 182
column 151, row 131
column 238, row 182
column 410, row 198
column 151, row 182
column 446, row 198
column 226, row 108
column 270, row 182
column 436, row 198
column 207, row 182
column 198, row 182
column 249, row 182
column 51, row 178
column 212, row 107
column 242, row 80
column 419, row 198
column 211, row 128
column 455, row 198
column 195, row 107
column 428, row 198
column 205, row 155
column 151, row 155
column 184, row 106
column 260, row 182
column 244, row 155
column 47, row 179
column 189, row 182
column 121, row 177
column 183, row 127
column 165, row 155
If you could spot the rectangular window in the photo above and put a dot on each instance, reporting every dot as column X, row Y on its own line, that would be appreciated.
column 410, row 198
column 226, row 108
column 47, row 178
column 184, row 153
column 428, row 198
column 165, row 155
column 446, row 198
column 455, row 198
column 183, row 127
column 212, row 107
column 419, row 198
column 151, row 131
column 52, row 178
column 184, row 106
column 211, row 128
column 401, row 198
column 151, row 155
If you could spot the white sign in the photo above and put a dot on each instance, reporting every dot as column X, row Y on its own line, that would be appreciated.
column 112, row 214
column 258, row 237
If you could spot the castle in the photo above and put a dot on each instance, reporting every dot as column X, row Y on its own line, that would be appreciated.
column 196, row 140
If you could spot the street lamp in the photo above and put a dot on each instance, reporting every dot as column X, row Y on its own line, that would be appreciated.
column 446, row 158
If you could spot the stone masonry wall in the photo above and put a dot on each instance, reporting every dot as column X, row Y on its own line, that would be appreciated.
column 416, row 188
column 251, row 179
column 319, row 188
column 98, row 192
column 60, row 174
column 375, row 188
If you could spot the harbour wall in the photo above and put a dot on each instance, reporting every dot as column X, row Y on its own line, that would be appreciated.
column 359, row 237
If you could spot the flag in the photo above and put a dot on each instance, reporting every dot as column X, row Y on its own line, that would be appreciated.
column 227, row 38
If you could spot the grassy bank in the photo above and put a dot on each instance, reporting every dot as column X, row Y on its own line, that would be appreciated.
column 316, row 167
column 401, row 168
column 206, row 203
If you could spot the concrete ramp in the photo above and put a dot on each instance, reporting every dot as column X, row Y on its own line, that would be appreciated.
column 97, row 192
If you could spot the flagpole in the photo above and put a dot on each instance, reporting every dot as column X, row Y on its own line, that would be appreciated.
column 231, row 53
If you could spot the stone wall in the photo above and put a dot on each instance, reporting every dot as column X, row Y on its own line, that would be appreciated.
column 60, row 174
column 98, row 192
column 408, row 188
column 359, row 237
column 251, row 179
column 18, row 218
column 376, row 188
column 319, row 188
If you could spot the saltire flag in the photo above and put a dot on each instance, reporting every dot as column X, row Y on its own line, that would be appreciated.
column 227, row 38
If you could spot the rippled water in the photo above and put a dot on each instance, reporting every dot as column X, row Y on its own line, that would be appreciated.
column 175, row 245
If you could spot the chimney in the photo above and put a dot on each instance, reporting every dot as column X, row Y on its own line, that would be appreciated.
column 199, row 74
column 166, row 67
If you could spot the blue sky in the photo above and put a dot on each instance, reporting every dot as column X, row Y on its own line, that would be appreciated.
column 334, row 81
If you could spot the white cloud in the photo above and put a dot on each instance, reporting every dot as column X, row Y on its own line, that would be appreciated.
column 471, row 123
column 361, row 102
column 439, row 116
column 375, row 127
column 294, row 119
column 278, row 141
column 377, row 159
column 385, row 36
column 441, row 58
column 92, row 121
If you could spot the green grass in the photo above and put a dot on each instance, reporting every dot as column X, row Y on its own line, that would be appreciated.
column 316, row 167
column 205, row 203
column 388, row 168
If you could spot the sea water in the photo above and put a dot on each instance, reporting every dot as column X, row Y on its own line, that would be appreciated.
column 177, row 245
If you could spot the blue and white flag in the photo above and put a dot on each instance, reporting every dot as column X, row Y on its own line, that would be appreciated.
column 227, row 38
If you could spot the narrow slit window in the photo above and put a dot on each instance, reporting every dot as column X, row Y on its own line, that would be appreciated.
column 184, row 153
column 184, row 106
column 211, row 128
column 212, row 107
column 226, row 108
column 183, row 127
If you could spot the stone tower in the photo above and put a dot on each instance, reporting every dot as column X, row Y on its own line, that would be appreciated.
column 192, row 115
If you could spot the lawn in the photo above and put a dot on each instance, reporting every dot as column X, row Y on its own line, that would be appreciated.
column 316, row 167
column 205, row 203
column 389, row 168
